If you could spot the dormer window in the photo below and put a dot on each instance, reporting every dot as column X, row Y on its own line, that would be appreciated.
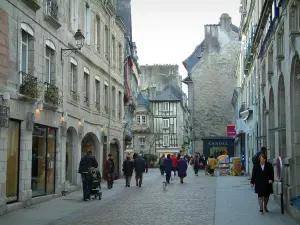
column 141, row 119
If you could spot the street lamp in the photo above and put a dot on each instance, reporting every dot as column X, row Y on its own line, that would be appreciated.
column 79, row 41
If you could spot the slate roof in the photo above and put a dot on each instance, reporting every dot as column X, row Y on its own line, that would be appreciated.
column 165, row 95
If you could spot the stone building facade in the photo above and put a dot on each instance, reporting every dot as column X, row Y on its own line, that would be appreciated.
column 210, row 80
column 57, row 103
column 270, row 84
column 159, row 76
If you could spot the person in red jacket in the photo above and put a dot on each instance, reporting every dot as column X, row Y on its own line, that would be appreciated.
column 174, row 164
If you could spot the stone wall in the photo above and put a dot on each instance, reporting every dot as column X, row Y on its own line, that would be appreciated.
column 213, row 84
column 3, row 130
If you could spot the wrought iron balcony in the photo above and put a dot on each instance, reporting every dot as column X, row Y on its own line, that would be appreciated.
column 51, row 94
column 51, row 13
column 29, row 86
column 140, row 127
column 52, row 9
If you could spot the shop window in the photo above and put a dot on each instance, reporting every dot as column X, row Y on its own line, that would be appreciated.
column 43, row 161
column 12, row 171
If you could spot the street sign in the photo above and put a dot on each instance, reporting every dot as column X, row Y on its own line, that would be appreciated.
column 279, row 168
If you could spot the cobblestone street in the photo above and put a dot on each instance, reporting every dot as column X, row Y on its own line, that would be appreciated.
column 200, row 200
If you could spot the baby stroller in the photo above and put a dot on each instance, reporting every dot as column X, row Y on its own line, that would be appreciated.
column 96, row 186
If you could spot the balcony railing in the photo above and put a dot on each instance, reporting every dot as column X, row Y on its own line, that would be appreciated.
column 29, row 85
column 52, row 9
column 51, row 94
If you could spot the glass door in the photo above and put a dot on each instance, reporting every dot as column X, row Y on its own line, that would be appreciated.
column 12, row 170
column 43, row 161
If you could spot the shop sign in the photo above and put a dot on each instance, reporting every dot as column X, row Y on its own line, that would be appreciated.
column 279, row 168
column 231, row 132
column 218, row 143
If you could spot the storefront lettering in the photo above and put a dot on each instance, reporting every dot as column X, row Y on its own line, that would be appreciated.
column 221, row 143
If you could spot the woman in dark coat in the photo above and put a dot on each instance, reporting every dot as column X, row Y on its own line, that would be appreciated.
column 168, row 168
column 262, row 179
column 182, row 167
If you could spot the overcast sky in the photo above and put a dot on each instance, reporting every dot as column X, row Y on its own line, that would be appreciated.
column 167, row 31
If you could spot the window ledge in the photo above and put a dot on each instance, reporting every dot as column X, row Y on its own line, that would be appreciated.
column 53, row 22
column 33, row 4
column 72, row 102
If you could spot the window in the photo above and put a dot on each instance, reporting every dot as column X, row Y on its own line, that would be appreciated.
column 106, row 97
column 166, row 140
column 97, row 92
column 86, row 87
column 52, row 9
column 166, row 123
column 73, row 76
column 50, row 65
column 24, row 51
column 114, row 58
column 106, row 43
column 141, row 119
column 142, row 141
column 113, row 101
column 74, row 14
column 97, row 34
column 166, row 106
column 120, row 58
column 120, row 105
column 87, row 24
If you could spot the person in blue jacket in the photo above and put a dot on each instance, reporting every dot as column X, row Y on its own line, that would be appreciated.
column 168, row 167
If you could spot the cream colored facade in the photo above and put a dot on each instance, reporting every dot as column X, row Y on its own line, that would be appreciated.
column 77, row 98
column 270, row 86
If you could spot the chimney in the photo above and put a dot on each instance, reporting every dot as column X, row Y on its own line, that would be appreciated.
column 225, row 22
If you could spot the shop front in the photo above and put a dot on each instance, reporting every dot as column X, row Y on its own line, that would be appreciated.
column 218, row 145
column 13, row 159
column 43, row 160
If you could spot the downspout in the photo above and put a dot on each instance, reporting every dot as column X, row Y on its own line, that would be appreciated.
column 109, row 83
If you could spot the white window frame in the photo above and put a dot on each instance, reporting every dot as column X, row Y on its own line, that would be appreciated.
column 138, row 119
column 86, row 85
column 142, row 141
column 26, row 43
column 48, row 58
column 97, row 81
column 166, row 106
column 143, row 117
column 87, row 24
column 73, row 66
column 166, row 140
column 97, row 34
column 75, row 15
column 166, row 123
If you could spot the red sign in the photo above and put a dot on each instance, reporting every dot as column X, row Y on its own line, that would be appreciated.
column 231, row 130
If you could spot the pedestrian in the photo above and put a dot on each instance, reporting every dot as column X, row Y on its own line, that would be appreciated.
column 128, row 166
column 161, row 164
column 255, row 158
column 146, row 161
column 174, row 163
column 168, row 168
column 139, row 165
column 109, row 171
column 182, row 168
column 196, row 163
column 87, row 161
column 262, row 179
column 212, row 162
